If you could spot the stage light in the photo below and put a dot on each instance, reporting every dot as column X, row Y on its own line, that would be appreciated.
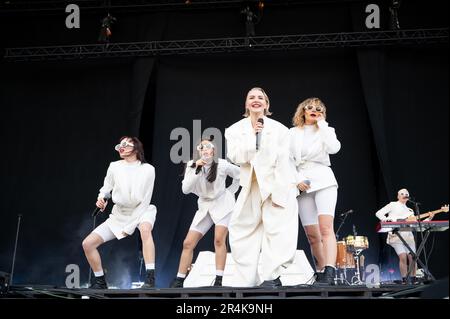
column 393, row 9
column 4, row 282
column 261, row 5
column 250, row 18
column 105, row 30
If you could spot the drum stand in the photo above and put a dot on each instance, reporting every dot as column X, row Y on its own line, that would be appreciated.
column 356, row 279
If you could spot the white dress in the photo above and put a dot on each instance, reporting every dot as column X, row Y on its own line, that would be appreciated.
column 132, row 188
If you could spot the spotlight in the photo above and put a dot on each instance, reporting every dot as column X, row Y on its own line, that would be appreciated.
column 105, row 30
column 250, row 18
column 393, row 9
column 261, row 5
column 4, row 282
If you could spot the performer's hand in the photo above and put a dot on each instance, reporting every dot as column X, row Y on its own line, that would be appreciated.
column 200, row 162
column 101, row 203
column 258, row 127
column 303, row 187
column 319, row 117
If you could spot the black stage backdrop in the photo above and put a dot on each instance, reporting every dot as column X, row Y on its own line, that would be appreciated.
column 61, row 120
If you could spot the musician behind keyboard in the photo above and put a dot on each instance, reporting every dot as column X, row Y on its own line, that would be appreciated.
column 395, row 211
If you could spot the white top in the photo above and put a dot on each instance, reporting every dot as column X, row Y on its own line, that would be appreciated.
column 274, row 171
column 395, row 211
column 132, row 188
column 214, row 197
column 310, row 147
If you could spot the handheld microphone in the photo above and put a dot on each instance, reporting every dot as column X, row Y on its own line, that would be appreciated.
column 347, row 212
column 199, row 167
column 258, row 134
column 97, row 209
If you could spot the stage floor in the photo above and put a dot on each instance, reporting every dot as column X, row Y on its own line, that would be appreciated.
column 294, row 292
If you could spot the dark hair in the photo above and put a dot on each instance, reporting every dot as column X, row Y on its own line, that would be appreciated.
column 138, row 147
column 213, row 171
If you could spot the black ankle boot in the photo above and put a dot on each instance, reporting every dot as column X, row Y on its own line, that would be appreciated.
column 177, row 283
column 218, row 281
column 327, row 277
column 275, row 283
column 150, row 279
column 318, row 275
column 99, row 283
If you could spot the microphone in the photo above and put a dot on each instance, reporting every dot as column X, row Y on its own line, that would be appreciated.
column 199, row 167
column 258, row 134
column 412, row 201
column 97, row 209
column 347, row 212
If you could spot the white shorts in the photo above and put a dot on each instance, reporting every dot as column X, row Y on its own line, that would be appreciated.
column 402, row 249
column 321, row 202
column 106, row 233
column 205, row 224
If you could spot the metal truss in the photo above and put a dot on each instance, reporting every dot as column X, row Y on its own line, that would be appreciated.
column 417, row 37
column 40, row 6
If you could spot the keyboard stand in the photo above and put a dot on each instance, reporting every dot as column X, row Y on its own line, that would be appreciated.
column 428, row 274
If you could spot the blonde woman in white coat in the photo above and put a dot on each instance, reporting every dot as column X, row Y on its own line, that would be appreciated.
column 131, row 181
column 312, row 140
column 265, row 217
column 205, row 177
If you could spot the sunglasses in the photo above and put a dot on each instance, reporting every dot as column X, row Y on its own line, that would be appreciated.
column 206, row 146
column 123, row 144
column 311, row 107
column 404, row 194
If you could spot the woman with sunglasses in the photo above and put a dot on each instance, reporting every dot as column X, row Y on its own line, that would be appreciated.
column 131, row 181
column 205, row 177
column 312, row 141
column 264, row 221
column 395, row 211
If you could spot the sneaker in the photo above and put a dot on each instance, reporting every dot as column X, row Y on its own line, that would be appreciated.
column 327, row 278
column 271, row 283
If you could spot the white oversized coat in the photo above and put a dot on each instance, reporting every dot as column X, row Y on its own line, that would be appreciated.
column 274, row 171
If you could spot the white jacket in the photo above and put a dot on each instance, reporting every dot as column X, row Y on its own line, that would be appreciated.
column 132, row 188
column 395, row 211
column 315, row 166
column 274, row 171
column 214, row 197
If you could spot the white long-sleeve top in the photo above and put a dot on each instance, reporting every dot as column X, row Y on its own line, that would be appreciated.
column 310, row 149
column 395, row 211
column 215, row 197
column 132, row 188
column 271, row 164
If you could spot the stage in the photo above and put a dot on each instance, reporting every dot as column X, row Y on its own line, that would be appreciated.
column 390, row 291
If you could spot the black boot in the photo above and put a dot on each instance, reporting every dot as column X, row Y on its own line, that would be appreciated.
column 271, row 283
column 318, row 276
column 327, row 278
column 177, row 283
column 99, row 283
column 149, row 280
column 218, row 281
